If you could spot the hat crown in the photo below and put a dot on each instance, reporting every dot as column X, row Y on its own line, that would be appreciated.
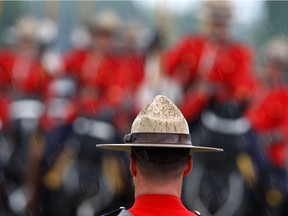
column 105, row 20
column 159, row 124
column 160, row 116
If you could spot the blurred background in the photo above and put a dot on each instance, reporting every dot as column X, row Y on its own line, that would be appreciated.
column 260, row 19
column 76, row 73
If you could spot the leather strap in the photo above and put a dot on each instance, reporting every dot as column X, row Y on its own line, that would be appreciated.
column 115, row 212
column 159, row 138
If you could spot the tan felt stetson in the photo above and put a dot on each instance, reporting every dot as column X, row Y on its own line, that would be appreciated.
column 159, row 124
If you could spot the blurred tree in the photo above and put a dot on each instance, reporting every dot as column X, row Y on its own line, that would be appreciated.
column 68, row 13
column 277, row 17
column 73, row 12
column 10, row 11
column 275, row 22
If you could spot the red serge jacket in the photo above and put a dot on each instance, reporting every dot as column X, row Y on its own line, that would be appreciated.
column 224, row 69
column 159, row 205
column 269, row 116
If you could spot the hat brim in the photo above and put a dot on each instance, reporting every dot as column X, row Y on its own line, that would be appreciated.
column 127, row 147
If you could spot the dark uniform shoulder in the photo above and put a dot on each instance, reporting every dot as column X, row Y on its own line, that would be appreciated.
column 124, row 212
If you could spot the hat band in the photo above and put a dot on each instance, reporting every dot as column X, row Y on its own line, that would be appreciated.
column 160, row 138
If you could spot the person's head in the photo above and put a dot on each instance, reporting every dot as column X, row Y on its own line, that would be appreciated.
column 275, row 61
column 131, row 35
column 26, row 32
column 102, row 28
column 215, row 19
column 160, row 165
column 160, row 147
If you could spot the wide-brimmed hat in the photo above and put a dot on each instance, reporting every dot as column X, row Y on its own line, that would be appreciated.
column 106, row 20
column 159, row 124
column 26, row 27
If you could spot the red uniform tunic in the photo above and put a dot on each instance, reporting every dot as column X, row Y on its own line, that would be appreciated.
column 270, row 116
column 225, row 69
column 105, row 81
column 130, row 72
column 96, row 76
column 19, row 76
column 159, row 205
column 25, row 76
